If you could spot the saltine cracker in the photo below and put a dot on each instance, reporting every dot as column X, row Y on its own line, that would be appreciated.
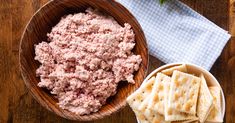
column 184, row 90
column 156, row 102
column 151, row 116
column 169, row 113
column 205, row 100
column 169, row 71
column 137, row 98
column 215, row 114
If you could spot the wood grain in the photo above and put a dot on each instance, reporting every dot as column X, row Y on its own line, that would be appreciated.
column 18, row 106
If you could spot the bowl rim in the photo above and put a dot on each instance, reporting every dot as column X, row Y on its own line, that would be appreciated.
column 38, row 99
column 199, row 68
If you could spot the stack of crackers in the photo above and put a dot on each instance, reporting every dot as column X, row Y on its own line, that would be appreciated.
column 174, row 95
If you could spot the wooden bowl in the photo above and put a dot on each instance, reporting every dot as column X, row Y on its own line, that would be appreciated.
column 42, row 22
column 196, row 70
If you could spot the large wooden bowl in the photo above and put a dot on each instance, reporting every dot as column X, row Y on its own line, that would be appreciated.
column 42, row 22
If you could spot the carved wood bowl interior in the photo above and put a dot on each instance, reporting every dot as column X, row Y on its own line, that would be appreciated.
column 42, row 22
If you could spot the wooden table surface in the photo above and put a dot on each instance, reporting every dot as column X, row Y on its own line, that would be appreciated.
column 18, row 106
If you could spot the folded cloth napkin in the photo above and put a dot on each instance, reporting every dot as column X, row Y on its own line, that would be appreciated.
column 176, row 33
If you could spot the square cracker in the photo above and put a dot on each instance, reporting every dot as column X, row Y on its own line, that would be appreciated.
column 136, row 98
column 184, row 92
column 169, row 113
column 205, row 100
column 169, row 71
column 156, row 101
column 215, row 114
column 151, row 116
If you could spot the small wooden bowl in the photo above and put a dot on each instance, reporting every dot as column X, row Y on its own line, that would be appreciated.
column 196, row 70
column 42, row 22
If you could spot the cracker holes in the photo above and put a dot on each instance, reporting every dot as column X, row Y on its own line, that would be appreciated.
column 191, row 106
column 193, row 94
column 190, row 87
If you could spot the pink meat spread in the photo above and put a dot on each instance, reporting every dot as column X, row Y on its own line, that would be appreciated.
column 85, row 57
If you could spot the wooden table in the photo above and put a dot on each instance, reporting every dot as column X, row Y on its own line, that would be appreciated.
column 18, row 106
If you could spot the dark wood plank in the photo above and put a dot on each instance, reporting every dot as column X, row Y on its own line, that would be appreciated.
column 6, row 37
column 17, row 104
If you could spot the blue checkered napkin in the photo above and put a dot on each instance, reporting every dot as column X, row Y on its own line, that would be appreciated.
column 176, row 33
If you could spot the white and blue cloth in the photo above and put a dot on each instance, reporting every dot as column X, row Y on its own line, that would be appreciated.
column 176, row 33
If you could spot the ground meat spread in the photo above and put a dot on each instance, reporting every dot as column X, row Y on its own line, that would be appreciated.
column 85, row 57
